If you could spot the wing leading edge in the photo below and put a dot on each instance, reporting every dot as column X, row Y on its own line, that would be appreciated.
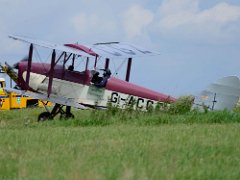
column 106, row 50
column 49, row 45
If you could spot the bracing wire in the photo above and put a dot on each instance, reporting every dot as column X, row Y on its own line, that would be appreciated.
column 119, row 67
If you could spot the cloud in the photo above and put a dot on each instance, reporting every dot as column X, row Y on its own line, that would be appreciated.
column 85, row 23
column 222, row 13
column 136, row 19
column 220, row 21
column 169, row 7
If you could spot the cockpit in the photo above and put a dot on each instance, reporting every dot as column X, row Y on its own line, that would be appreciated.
column 100, row 80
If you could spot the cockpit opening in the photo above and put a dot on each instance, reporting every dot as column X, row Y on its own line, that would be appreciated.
column 100, row 81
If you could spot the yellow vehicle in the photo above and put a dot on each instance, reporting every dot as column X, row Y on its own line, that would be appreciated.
column 13, row 100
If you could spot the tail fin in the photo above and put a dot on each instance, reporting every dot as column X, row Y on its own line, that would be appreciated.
column 223, row 94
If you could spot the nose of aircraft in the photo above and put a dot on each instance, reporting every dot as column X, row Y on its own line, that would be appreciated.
column 16, row 65
column 10, row 71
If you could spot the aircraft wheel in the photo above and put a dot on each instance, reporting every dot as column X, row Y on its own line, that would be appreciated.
column 44, row 116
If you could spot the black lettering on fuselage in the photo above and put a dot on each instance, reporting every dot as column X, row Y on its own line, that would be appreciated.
column 139, row 102
column 114, row 97
column 149, row 104
column 136, row 102
column 131, row 101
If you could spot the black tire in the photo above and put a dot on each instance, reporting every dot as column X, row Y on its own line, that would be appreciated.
column 44, row 116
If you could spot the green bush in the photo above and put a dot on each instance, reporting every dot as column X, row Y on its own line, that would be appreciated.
column 182, row 105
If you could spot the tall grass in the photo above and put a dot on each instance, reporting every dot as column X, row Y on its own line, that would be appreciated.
column 125, row 151
column 120, row 144
column 178, row 113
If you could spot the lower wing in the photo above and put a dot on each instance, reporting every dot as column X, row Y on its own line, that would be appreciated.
column 51, row 98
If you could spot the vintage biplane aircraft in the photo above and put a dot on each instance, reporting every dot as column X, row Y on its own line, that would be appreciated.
column 69, row 87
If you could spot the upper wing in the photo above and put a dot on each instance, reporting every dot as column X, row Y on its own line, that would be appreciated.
column 118, row 49
column 51, row 98
column 107, row 50
column 50, row 45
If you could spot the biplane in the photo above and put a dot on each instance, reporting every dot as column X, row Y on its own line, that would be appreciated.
column 89, row 88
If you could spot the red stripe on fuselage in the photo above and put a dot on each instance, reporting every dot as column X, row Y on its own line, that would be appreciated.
column 118, row 85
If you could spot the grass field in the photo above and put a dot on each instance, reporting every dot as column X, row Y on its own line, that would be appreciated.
column 118, row 145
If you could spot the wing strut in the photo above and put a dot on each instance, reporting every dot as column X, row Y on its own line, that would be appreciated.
column 95, row 64
column 29, row 65
column 107, row 63
column 51, row 72
column 87, row 62
column 128, row 69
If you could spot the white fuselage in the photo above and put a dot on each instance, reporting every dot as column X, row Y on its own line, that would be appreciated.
column 87, row 94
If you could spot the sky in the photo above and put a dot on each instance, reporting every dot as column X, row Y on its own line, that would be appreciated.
column 198, row 40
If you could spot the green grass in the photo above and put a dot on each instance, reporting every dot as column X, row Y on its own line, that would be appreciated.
column 120, row 145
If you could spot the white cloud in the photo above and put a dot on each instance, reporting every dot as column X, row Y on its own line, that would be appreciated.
column 187, row 18
column 176, row 6
column 88, row 23
column 136, row 19
column 222, row 14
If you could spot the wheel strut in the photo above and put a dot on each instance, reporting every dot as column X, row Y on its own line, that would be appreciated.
column 57, row 109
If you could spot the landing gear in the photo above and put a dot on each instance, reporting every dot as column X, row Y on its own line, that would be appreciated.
column 44, row 116
column 67, row 114
column 55, row 111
